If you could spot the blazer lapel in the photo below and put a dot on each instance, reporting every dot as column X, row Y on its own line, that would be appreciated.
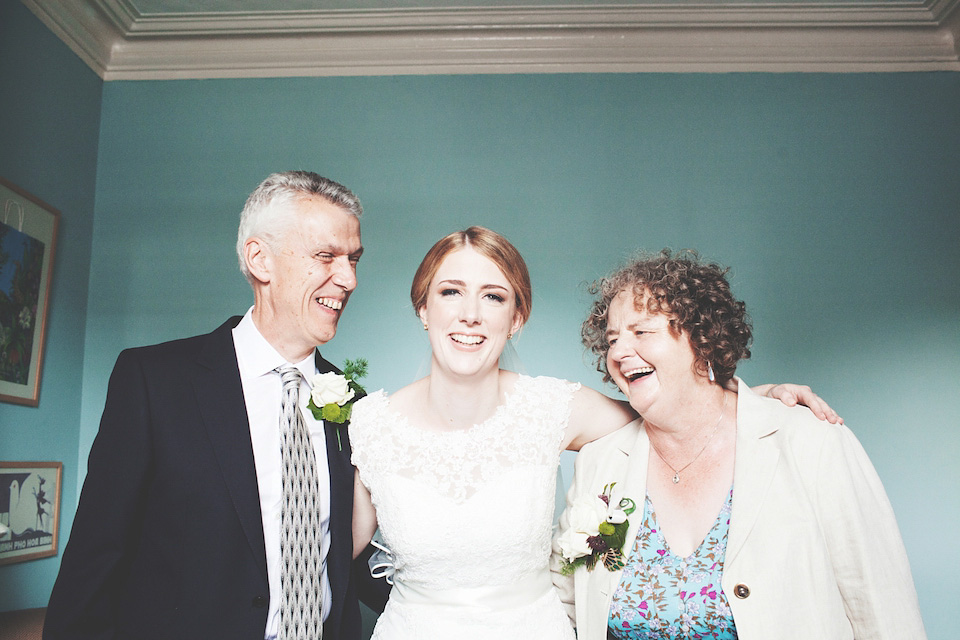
column 750, row 481
column 627, row 464
column 224, row 415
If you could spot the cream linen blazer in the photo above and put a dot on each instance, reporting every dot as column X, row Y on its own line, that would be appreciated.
column 813, row 549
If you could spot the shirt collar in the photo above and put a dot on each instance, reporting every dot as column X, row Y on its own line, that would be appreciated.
column 257, row 357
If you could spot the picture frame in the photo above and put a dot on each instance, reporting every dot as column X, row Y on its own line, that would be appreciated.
column 28, row 242
column 29, row 510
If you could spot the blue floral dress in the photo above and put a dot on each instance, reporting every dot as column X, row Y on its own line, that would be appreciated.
column 663, row 596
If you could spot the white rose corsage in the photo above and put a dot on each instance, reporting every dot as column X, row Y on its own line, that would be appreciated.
column 332, row 394
column 596, row 533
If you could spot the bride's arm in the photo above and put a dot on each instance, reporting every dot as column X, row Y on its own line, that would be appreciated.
column 594, row 415
column 364, row 516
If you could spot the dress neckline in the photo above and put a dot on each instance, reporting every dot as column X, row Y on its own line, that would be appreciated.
column 652, row 513
column 406, row 423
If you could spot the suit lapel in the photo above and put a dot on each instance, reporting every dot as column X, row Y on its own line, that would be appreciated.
column 224, row 414
column 751, row 482
column 341, row 503
column 223, row 411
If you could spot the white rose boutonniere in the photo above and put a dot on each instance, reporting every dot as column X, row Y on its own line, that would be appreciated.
column 332, row 394
column 596, row 533
column 331, row 388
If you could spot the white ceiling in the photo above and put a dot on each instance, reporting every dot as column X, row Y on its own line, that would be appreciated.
column 165, row 39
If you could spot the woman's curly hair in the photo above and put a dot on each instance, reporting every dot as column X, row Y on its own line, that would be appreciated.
column 697, row 297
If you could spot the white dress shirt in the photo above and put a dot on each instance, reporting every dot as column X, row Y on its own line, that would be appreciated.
column 257, row 360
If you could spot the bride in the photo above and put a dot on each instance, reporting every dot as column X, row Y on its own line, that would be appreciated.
column 459, row 468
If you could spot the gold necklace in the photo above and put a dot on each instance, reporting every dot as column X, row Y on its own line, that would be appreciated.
column 676, row 472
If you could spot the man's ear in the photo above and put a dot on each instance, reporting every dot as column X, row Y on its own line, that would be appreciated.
column 258, row 259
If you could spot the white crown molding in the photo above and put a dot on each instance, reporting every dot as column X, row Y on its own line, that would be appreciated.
column 118, row 43
column 950, row 23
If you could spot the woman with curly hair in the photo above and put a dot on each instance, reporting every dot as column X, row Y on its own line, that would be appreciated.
column 720, row 513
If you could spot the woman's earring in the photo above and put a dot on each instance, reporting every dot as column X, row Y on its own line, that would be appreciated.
column 425, row 327
column 509, row 335
column 710, row 375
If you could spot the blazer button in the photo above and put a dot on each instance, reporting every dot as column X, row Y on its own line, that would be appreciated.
column 742, row 591
column 259, row 602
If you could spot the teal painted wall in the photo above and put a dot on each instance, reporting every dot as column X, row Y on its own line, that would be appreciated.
column 834, row 198
column 49, row 124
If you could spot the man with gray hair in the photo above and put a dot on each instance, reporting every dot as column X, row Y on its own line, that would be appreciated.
column 215, row 504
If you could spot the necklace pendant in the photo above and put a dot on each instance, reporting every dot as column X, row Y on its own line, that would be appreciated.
column 676, row 478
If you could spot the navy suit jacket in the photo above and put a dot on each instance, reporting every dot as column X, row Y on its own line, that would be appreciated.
column 168, row 539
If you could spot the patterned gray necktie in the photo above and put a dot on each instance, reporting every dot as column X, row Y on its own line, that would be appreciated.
column 301, row 604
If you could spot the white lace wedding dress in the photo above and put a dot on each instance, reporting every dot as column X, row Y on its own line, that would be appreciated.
column 468, row 516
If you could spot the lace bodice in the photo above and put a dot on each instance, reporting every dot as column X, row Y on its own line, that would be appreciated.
column 471, row 508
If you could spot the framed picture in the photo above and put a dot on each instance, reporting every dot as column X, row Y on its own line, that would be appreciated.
column 29, row 510
column 28, row 239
